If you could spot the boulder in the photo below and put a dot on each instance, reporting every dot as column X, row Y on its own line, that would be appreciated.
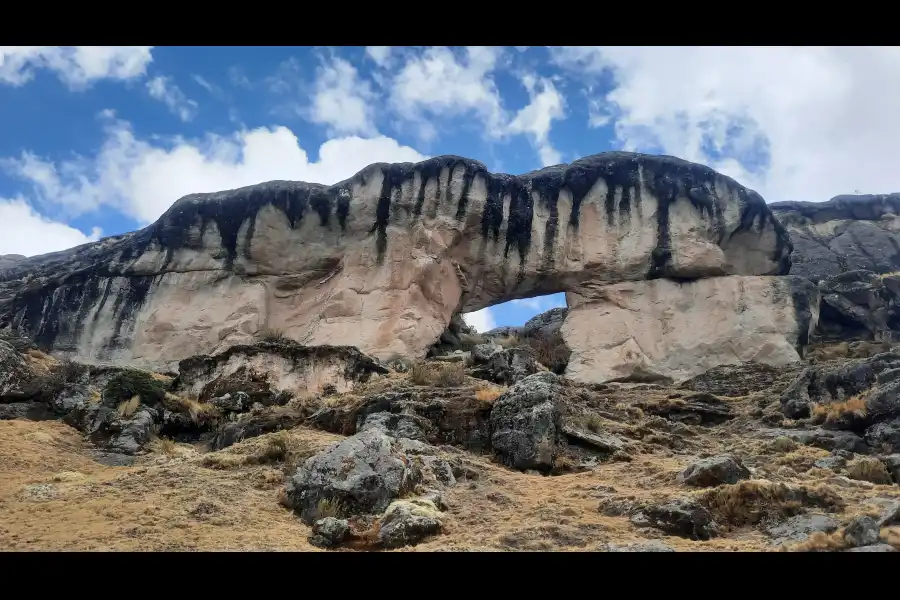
column 799, row 527
column 526, row 423
column 667, row 331
column 873, row 548
column 651, row 546
column 714, row 471
column 18, row 381
column 680, row 517
column 360, row 475
column 504, row 366
column 385, row 258
column 407, row 522
column 884, row 435
column 862, row 531
column 892, row 463
column 330, row 532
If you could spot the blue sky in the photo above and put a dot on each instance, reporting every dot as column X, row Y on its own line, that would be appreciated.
column 101, row 140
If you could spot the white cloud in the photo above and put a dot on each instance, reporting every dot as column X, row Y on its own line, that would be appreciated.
column 541, row 304
column 77, row 66
column 380, row 54
column 536, row 119
column 142, row 179
column 482, row 320
column 794, row 123
column 166, row 91
column 24, row 231
column 342, row 100
column 438, row 84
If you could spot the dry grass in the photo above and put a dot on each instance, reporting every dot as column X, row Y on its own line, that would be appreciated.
column 749, row 502
column 274, row 335
column 165, row 445
column 551, row 351
column 489, row 394
column 818, row 541
column 867, row 468
column 438, row 374
column 891, row 274
column 328, row 508
column 199, row 412
column 127, row 408
column 855, row 406
column 468, row 341
column 593, row 422
column 783, row 445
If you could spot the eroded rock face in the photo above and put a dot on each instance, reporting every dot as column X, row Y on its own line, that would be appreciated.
column 662, row 330
column 382, row 260
column 273, row 372
column 860, row 305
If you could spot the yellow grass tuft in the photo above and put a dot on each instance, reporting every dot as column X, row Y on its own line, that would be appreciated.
column 836, row 411
column 867, row 468
column 489, row 394
column 199, row 412
column 509, row 341
column 127, row 408
column 438, row 374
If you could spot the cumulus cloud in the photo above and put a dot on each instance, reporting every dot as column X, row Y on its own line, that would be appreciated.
column 166, row 91
column 77, row 66
column 143, row 178
column 437, row 83
column 794, row 123
column 24, row 231
column 482, row 320
column 342, row 100
column 536, row 119
column 541, row 304
column 380, row 54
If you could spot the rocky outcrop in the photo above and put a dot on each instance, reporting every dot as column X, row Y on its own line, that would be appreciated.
column 860, row 305
column 272, row 372
column 382, row 260
column 546, row 324
column 847, row 233
column 662, row 330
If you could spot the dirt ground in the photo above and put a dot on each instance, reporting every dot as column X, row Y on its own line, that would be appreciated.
column 56, row 495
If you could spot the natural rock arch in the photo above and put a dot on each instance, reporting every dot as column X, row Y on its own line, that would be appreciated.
column 382, row 260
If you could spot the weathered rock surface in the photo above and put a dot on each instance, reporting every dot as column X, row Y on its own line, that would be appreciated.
column 360, row 475
column 662, row 330
column 714, row 471
column 272, row 372
column 847, row 233
column 680, row 517
column 860, row 305
column 17, row 378
column 407, row 522
column 545, row 324
column 526, row 423
column 503, row 365
column 330, row 532
column 382, row 260
column 799, row 527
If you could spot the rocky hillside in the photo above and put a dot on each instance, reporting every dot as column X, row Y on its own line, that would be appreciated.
column 285, row 367
column 490, row 451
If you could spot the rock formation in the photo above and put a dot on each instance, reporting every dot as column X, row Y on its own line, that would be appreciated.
column 383, row 260
column 846, row 233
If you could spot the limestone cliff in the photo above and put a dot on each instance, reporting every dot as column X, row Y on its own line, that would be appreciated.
column 382, row 260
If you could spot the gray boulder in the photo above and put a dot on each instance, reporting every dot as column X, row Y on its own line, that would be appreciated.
column 526, row 423
column 17, row 379
column 684, row 518
column 407, row 522
column 859, row 305
column 874, row 548
column 884, row 435
column 892, row 462
column 330, row 532
column 360, row 475
column 398, row 425
column 862, row 531
column 799, row 527
column 651, row 546
column 714, row 471
column 505, row 366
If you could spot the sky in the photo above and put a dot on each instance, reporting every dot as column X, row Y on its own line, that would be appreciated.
column 97, row 141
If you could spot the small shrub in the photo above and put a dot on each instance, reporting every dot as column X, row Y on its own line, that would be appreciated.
column 832, row 412
column 130, row 383
column 275, row 335
column 593, row 423
column 127, row 408
column 218, row 460
column 166, row 445
column 467, row 341
column 438, row 374
column 275, row 449
column 199, row 412
column 489, row 394
column 869, row 469
column 551, row 351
